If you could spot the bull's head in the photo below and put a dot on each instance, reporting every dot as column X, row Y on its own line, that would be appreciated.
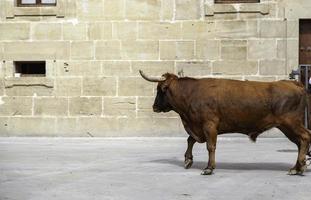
column 162, row 100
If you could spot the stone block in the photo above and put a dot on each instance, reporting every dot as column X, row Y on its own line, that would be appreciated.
column 235, row 67
column 108, row 50
column 4, row 121
column 42, row 50
column 143, row 10
column 100, row 31
column 120, row 106
column 194, row 68
column 233, row 42
column 159, row 30
column 278, row 30
column 116, row 68
column 99, row 86
column 90, row 10
column 98, row 127
column 236, row 29
column 78, row 68
column 177, row 50
column 15, row 106
column 281, row 49
column 208, row 49
column 114, row 9
column 167, row 10
column 262, row 49
column 198, row 30
column 293, row 49
column 14, row 31
column 272, row 67
column 261, row 78
column 135, row 86
column 153, row 68
column 125, row 30
column 68, row 127
column 1, row 52
column 140, row 50
column 73, row 31
column 51, row 106
column 46, row 31
column 188, row 9
column 82, row 50
column 85, row 106
column 233, row 53
column 32, row 126
column 68, row 87
column 292, row 28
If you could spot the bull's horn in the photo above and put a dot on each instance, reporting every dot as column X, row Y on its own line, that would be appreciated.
column 151, row 79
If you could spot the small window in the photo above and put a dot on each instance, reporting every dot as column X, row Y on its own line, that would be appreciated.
column 29, row 68
column 237, row 1
column 36, row 2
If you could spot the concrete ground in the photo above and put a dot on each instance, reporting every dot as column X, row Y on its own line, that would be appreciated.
column 147, row 168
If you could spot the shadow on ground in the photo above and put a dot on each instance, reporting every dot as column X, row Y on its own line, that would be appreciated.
column 277, row 166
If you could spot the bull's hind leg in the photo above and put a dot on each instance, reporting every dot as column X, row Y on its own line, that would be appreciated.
column 301, row 137
column 188, row 153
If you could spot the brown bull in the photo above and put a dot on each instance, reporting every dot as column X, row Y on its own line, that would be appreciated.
column 208, row 107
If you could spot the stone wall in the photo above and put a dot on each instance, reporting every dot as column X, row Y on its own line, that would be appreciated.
column 94, row 48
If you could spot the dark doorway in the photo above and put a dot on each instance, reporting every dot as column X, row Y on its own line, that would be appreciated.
column 304, row 41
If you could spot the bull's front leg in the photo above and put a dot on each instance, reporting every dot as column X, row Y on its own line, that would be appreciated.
column 210, row 133
column 188, row 153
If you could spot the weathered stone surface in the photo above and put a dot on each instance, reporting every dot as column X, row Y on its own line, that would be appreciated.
column 236, row 29
column 79, row 68
column 188, row 9
column 31, row 126
column 14, row 31
column 134, row 86
column 155, row 30
column 208, row 49
column 278, row 30
column 68, row 87
column 262, row 49
column 114, row 9
column 116, row 68
column 177, row 50
column 194, row 68
column 108, row 50
column 120, row 107
column 39, row 50
column 46, row 106
column 261, row 78
column 143, row 10
column 235, row 67
column 233, row 53
column 198, row 29
column 281, row 49
column 98, row 126
column 15, row 106
column 90, row 10
column 46, row 31
column 140, row 50
column 85, row 106
column 82, row 50
column 167, row 9
column 29, row 86
column 272, row 67
column 125, row 30
column 72, row 31
column 4, row 132
column 100, row 31
column 68, row 127
column 99, row 86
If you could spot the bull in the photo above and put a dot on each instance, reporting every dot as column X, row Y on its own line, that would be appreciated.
column 209, row 107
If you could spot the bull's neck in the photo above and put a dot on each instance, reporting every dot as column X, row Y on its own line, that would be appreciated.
column 178, row 96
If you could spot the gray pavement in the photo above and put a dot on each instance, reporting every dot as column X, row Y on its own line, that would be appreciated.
column 147, row 168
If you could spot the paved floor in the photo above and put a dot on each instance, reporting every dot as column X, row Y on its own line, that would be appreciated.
column 147, row 168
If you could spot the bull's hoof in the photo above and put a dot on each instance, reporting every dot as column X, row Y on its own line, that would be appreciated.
column 295, row 171
column 188, row 163
column 207, row 171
